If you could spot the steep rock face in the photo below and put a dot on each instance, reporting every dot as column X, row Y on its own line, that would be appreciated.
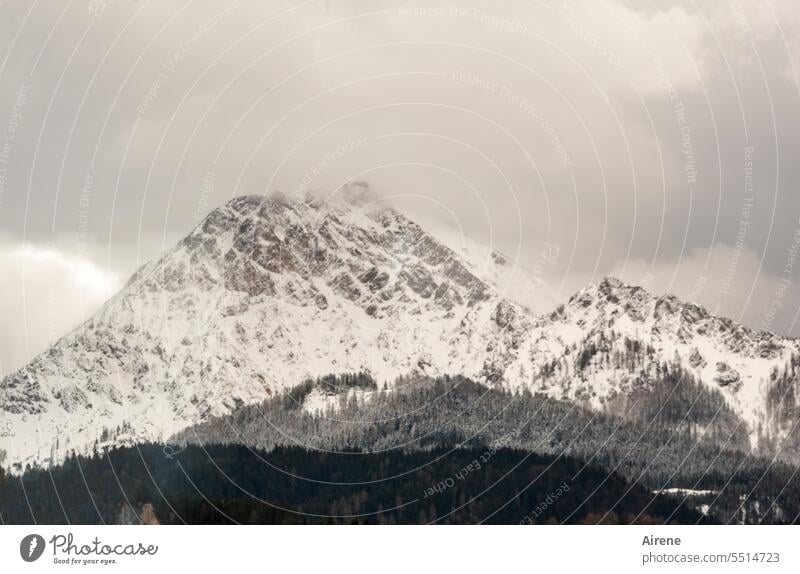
column 268, row 291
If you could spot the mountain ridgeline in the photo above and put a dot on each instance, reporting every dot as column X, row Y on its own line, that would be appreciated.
column 270, row 291
column 338, row 323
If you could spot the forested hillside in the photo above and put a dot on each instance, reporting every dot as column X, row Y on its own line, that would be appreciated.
column 677, row 436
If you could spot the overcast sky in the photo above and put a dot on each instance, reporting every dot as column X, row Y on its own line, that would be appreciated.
column 656, row 141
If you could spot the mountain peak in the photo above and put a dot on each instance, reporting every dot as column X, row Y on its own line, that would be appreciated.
column 614, row 285
column 612, row 282
column 355, row 196
column 610, row 290
column 270, row 290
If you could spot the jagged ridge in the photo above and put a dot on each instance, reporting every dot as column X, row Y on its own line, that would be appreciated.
column 269, row 291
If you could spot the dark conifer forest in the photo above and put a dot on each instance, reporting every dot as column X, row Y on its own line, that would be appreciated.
column 291, row 485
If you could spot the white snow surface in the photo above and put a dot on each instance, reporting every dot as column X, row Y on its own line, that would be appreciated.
column 269, row 291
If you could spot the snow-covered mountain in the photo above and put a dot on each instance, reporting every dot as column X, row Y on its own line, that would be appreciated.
column 268, row 291
column 611, row 336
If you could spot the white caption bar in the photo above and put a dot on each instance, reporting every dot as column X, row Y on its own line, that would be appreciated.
column 387, row 549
